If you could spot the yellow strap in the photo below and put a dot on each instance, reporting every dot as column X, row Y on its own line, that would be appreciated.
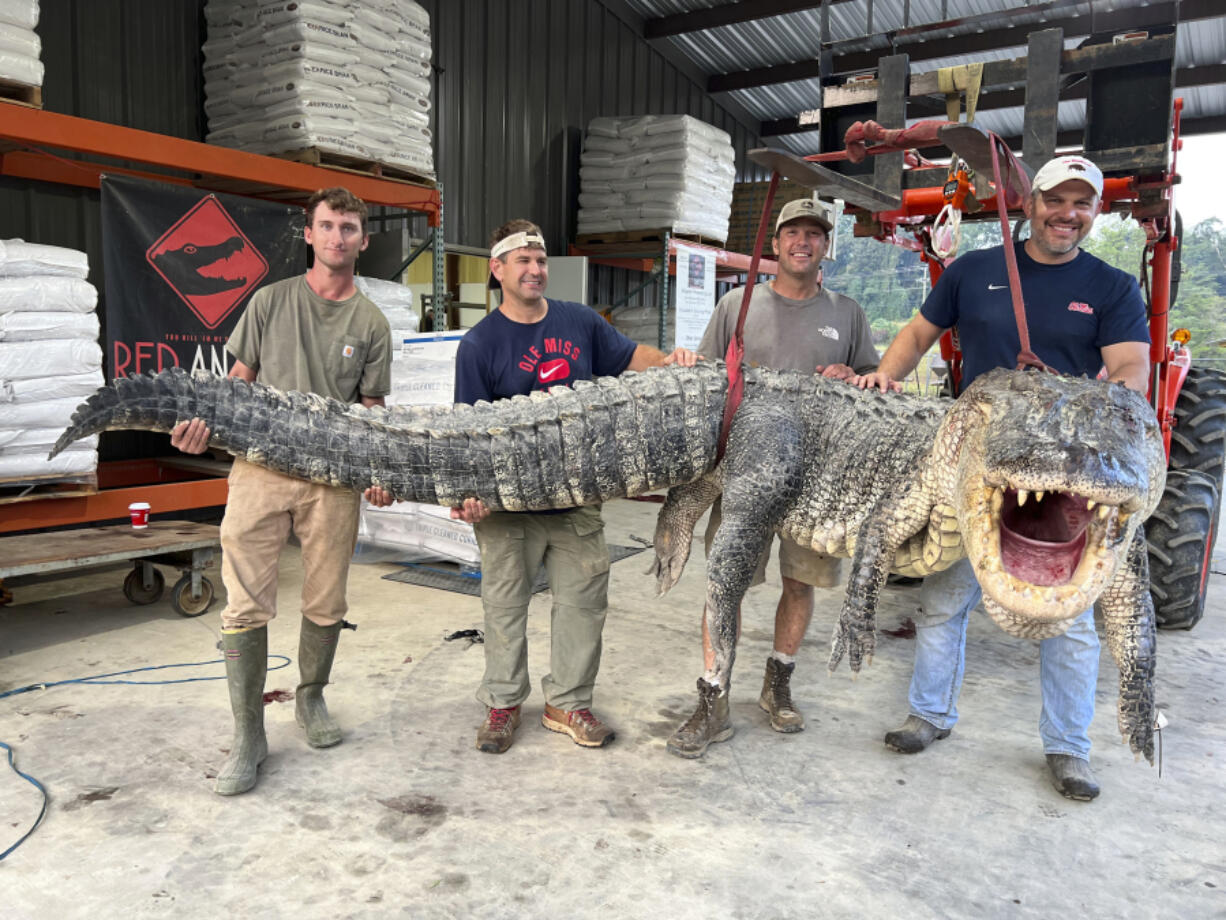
column 953, row 81
column 238, row 629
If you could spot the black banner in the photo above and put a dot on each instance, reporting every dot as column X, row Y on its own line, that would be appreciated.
column 181, row 265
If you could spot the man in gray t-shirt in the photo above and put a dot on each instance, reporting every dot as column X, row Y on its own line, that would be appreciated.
column 793, row 323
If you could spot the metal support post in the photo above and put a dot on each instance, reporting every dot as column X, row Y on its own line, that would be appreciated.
column 663, row 296
column 439, row 300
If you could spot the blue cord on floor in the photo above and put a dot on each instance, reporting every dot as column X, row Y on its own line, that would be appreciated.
column 37, row 785
column 99, row 679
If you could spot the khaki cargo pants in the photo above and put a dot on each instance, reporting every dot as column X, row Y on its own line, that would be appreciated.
column 572, row 548
column 262, row 509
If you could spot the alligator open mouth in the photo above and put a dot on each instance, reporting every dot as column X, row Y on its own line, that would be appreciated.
column 1044, row 554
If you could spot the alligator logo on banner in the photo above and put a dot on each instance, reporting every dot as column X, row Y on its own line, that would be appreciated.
column 207, row 261
column 181, row 265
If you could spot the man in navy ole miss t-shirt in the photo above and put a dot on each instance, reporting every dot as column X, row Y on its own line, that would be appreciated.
column 530, row 343
column 1082, row 316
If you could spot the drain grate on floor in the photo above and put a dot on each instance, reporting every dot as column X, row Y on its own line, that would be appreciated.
column 448, row 577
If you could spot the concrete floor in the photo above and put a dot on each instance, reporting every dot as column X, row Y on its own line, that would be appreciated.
column 406, row 818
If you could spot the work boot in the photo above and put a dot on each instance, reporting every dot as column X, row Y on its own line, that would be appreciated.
column 584, row 728
column 914, row 735
column 709, row 723
column 776, row 697
column 1072, row 777
column 316, row 649
column 246, row 655
column 496, row 735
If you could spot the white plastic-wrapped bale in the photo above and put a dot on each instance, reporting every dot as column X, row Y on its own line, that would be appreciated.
column 21, row 48
column 656, row 172
column 347, row 81
column 50, row 359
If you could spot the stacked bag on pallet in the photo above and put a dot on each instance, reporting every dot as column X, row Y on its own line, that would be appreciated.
column 656, row 172
column 50, row 360
column 20, row 47
column 344, row 77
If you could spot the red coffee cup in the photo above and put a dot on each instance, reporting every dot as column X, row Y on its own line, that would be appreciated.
column 139, row 512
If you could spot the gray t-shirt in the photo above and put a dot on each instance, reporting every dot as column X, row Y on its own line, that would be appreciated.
column 796, row 335
column 296, row 340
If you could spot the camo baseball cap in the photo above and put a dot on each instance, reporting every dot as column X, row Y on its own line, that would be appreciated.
column 1061, row 169
column 806, row 208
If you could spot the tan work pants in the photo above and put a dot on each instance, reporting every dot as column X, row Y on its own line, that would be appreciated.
column 262, row 509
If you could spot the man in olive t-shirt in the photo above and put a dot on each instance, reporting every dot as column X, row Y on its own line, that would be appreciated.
column 793, row 323
column 317, row 334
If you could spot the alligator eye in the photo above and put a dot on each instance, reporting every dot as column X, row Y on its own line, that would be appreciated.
column 190, row 249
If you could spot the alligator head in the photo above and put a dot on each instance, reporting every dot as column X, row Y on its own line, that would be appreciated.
column 1053, row 477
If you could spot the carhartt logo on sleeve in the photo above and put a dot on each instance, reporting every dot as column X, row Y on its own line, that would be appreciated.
column 347, row 351
column 1078, row 307
column 829, row 332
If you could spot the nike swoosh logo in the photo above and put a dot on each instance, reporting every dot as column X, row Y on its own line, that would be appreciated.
column 997, row 287
column 552, row 372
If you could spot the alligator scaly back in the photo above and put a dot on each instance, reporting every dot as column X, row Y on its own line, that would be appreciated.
column 607, row 438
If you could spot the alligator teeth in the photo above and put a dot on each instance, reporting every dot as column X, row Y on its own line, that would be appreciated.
column 1038, row 496
column 1104, row 511
column 1022, row 495
column 1090, row 503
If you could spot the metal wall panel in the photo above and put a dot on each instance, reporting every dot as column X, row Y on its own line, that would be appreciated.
column 516, row 84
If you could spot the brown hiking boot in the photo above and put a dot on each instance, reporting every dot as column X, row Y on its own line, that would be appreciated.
column 776, row 697
column 496, row 735
column 709, row 723
column 580, row 724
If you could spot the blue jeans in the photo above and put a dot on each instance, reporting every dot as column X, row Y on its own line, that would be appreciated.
column 1068, row 664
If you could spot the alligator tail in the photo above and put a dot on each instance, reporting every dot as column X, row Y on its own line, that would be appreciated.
column 607, row 438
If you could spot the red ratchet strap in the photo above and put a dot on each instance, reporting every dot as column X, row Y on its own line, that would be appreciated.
column 736, row 347
column 1006, row 195
column 889, row 140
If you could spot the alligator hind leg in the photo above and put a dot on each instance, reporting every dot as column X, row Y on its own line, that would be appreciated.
column 675, row 527
column 763, row 475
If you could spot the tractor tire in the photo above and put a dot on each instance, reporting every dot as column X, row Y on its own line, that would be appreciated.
column 1181, row 533
column 1198, row 440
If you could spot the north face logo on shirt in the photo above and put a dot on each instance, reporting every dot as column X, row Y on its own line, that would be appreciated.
column 829, row 332
column 347, row 351
column 1078, row 307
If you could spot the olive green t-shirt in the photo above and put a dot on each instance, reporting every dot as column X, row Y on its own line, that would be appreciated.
column 296, row 340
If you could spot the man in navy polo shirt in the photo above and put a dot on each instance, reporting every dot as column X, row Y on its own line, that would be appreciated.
column 530, row 343
column 1082, row 316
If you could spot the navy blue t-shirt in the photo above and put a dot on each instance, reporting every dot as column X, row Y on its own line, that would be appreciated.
column 1072, row 310
column 499, row 358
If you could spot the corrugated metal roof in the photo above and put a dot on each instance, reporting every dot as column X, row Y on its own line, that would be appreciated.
column 797, row 37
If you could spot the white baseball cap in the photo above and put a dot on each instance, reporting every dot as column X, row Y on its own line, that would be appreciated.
column 1061, row 169
column 806, row 208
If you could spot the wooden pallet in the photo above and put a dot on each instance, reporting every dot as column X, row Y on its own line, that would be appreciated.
column 351, row 164
column 21, row 94
column 643, row 236
column 30, row 488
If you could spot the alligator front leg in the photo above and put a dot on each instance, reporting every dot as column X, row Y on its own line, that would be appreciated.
column 892, row 522
column 855, row 635
column 675, row 527
column 1128, row 617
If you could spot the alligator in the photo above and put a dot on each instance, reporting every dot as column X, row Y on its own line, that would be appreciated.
column 1043, row 481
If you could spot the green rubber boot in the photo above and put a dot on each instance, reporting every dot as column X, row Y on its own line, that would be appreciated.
column 316, row 649
column 246, row 655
